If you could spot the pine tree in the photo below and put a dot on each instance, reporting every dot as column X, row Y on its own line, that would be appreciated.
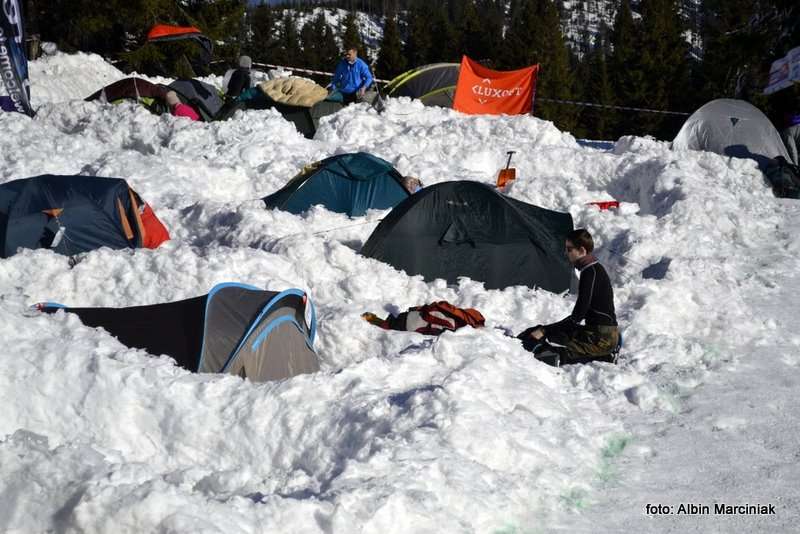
column 625, row 69
column 597, row 122
column 471, row 31
column 329, row 49
column 534, row 36
column 419, row 40
column 444, row 39
column 262, row 27
column 490, row 44
column 391, row 61
column 664, row 59
column 286, row 49
column 311, row 35
column 351, row 35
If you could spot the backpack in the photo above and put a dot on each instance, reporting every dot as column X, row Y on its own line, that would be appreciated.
column 431, row 319
column 784, row 178
column 435, row 318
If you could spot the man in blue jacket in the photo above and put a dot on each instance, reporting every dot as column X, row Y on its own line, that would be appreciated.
column 352, row 77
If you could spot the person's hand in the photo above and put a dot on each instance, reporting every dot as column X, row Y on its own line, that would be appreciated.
column 361, row 92
column 537, row 333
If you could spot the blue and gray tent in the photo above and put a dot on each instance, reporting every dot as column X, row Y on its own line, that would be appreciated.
column 347, row 183
column 236, row 329
column 73, row 214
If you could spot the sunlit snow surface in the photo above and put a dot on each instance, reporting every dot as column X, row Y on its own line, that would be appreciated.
column 399, row 432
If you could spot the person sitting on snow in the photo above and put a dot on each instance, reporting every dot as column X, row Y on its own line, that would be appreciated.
column 599, row 335
column 179, row 109
column 351, row 78
column 240, row 78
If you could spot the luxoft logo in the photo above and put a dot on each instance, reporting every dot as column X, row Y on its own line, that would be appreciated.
column 13, row 32
column 485, row 90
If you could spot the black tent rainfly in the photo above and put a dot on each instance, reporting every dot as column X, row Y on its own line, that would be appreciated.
column 236, row 329
column 467, row 228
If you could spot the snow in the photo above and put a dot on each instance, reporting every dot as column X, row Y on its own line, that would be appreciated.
column 399, row 432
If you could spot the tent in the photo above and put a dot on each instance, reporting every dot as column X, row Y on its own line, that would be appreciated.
column 466, row 228
column 73, row 214
column 201, row 96
column 434, row 85
column 151, row 95
column 347, row 183
column 235, row 328
column 164, row 33
column 305, row 119
column 204, row 97
column 732, row 128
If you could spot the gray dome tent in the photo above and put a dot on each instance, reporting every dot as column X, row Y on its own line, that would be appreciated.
column 466, row 228
column 732, row 128
column 236, row 329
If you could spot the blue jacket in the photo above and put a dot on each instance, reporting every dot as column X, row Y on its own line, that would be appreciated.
column 350, row 78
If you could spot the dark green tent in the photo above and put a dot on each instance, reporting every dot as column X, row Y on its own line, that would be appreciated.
column 346, row 183
column 466, row 228
column 433, row 84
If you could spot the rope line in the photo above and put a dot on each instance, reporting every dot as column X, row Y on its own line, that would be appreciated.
column 539, row 98
column 609, row 106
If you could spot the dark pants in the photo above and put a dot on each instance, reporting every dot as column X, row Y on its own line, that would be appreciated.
column 588, row 340
column 350, row 98
column 582, row 344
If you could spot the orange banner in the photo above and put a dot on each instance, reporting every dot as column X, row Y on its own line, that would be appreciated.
column 494, row 92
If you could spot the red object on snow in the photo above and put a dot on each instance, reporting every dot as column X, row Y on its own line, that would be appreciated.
column 605, row 204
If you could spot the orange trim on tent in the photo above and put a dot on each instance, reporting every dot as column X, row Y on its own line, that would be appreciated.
column 53, row 212
column 166, row 30
column 137, row 217
column 126, row 225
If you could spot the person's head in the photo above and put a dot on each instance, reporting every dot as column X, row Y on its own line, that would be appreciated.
column 172, row 99
column 412, row 184
column 245, row 62
column 351, row 54
column 579, row 244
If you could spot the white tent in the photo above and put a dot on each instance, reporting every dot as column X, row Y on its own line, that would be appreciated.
column 732, row 128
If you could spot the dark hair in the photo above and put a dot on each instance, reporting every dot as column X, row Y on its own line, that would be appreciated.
column 581, row 238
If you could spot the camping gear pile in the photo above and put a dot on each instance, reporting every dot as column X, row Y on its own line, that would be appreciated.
column 430, row 319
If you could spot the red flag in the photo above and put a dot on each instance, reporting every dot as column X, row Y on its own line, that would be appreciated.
column 493, row 92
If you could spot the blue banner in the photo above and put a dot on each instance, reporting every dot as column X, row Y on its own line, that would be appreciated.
column 13, row 63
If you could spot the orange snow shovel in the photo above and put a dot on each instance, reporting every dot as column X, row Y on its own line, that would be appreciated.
column 508, row 174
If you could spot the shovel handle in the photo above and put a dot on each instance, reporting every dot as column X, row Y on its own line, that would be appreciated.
column 508, row 163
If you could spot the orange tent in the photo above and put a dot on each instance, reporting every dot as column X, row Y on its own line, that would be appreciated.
column 165, row 30
column 491, row 92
